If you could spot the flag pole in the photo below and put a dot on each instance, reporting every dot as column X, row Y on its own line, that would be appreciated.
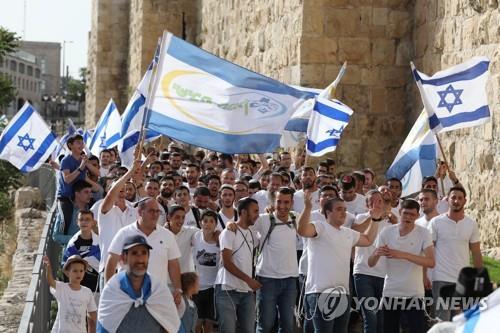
column 445, row 161
column 151, row 86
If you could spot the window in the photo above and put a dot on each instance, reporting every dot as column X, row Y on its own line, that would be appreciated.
column 13, row 66
column 43, row 66
column 30, row 70
column 21, row 68
column 37, row 73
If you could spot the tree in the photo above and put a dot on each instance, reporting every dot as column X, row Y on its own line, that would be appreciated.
column 9, row 42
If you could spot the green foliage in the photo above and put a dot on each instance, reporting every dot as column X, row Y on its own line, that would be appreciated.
column 7, row 91
column 493, row 267
column 8, row 42
column 76, row 87
column 10, row 177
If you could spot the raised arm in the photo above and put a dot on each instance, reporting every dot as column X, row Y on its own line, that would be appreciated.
column 368, row 237
column 50, row 277
column 112, row 195
column 305, row 227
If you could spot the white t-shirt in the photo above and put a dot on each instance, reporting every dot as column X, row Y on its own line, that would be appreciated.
column 442, row 206
column 241, row 243
column 184, row 241
column 262, row 198
column 164, row 248
column 298, row 201
column 329, row 257
column 452, row 241
column 73, row 306
column 404, row 278
column 103, row 171
column 225, row 218
column 316, row 216
column 189, row 220
column 278, row 259
column 357, row 206
column 109, row 224
column 363, row 253
column 206, row 259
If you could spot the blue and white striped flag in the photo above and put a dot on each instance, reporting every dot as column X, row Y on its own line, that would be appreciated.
column 328, row 119
column 456, row 97
column 133, row 117
column 27, row 141
column 206, row 101
column 416, row 158
column 107, row 130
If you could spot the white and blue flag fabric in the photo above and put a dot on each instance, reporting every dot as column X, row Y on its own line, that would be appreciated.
column 27, row 141
column 328, row 120
column 107, row 131
column 209, row 102
column 134, row 115
column 456, row 97
column 416, row 158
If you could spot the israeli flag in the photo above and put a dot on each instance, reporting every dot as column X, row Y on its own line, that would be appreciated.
column 27, row 141
column 206, row 101
column 456, row 97
column 481, row 318
column 107, row 130
column 133, row 118
column 416, row 158
column 328, row 119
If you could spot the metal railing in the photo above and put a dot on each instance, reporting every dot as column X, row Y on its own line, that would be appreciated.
column 36, row 315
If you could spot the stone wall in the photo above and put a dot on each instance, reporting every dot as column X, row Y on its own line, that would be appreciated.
column 259, row 35
column 374, row 37
column 107, row 58
column 446, row 33
column 29, row 222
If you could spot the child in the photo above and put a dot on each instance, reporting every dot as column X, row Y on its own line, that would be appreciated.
column 190, row 287
column 206, row 256
column 74, row 301
column 85, row 243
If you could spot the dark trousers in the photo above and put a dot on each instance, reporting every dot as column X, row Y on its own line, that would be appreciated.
column 412, row 309
column 65, row 208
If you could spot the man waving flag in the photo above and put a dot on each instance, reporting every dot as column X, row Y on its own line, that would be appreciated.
column 206, row 101
column 27, row 141
column 456, row 97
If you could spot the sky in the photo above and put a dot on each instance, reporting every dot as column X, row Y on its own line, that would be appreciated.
column 52, row 21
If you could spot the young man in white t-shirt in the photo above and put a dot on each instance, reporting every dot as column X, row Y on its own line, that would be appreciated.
column 266, row 197
column 355, row 202
column 402, row 245
column 369, row 281
column 235, row 283
column 329, row 254
column 455, row 236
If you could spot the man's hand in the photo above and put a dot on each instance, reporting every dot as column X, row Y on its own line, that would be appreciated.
column 46, row 261
column 83, row 163
column 427, row 283
column 177, row 297
column 382, row 251
column 270, row 209
column 376, row 213
column 254, row 284
column 395, row 254
column 231, row 226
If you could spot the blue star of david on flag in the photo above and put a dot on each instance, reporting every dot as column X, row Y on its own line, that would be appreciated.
column 444, row 93
column 29, row 143
column 335, row 132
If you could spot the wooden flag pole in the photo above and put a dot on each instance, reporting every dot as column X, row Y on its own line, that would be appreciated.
column 445, row 161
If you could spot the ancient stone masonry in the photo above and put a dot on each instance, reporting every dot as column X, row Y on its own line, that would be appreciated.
column 446, row 33
column 305, row 42
column 29, row 222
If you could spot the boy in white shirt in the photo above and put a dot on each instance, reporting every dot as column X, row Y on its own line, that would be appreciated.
column 402, row 245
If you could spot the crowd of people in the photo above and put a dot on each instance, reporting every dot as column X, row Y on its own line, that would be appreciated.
column 205, row 242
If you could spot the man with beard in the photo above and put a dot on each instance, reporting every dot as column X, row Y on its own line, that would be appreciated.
column 167, row 188
column 308, row 180
column 266, row 198
column 396, row 188
column 387, row 197
column 228, row 176
column 133, row 300
column 454, row 235
column 152, row 188
column 175, row 160
column 240, row 190
column 192, row 175
column 432, row 183
column 213, row 185
column 226, row 201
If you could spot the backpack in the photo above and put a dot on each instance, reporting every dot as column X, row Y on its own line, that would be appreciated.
column 274, row 224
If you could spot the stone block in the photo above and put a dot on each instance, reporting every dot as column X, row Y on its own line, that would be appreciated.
column 313, row 21
column 312, row 75
column 399, row 24
column 396, row 76
column 354, row 50
column 343, row 22
column 380, row 16
column 378, row 100
column 27, row 197
column 383, row 51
